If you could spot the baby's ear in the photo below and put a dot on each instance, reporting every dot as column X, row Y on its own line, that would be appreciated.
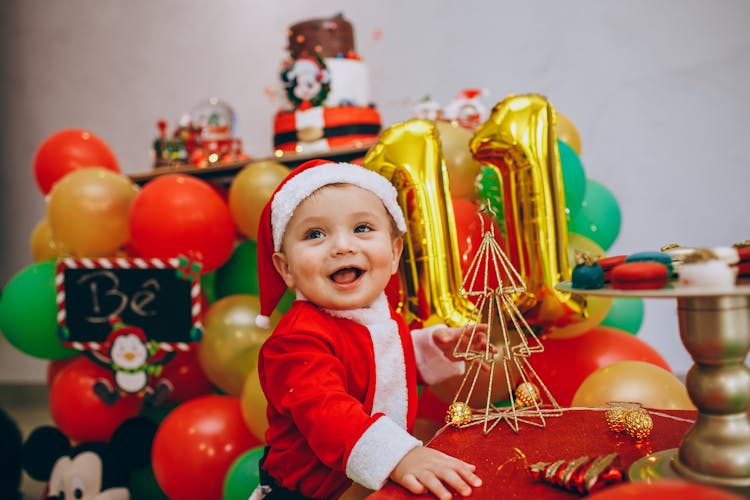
column 282, row 267
column 397, row 247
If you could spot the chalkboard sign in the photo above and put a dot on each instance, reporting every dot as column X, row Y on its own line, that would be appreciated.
column 159, row 296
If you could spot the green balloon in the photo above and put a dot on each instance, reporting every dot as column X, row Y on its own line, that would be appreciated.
column 626, row 313
column 489, row 188
column 242, row 477
column 286, row 301
column 574, row 177
column 208, row 285
column 143, row 484
column 239, row 275
column 599, row 217
column 158, row 413
column 28, row 313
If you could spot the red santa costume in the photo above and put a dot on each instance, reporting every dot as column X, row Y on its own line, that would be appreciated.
column 341, row 385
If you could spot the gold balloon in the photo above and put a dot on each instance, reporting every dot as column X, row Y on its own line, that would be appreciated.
column 568, row 133
column 636, row 381
column 88, row 211
column 249, row 192
column 228, row 351
column 596, row 308
column 487, row 385
column 462, row 168
column 587, row 245
column 409, row 155
column 253, row 405
column 43, row 245
column 520, row 143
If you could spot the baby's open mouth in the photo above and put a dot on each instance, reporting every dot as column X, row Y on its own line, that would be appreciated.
column 346, row 275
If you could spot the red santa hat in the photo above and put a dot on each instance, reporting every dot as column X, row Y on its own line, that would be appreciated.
column 296, row 187
column 119, row 328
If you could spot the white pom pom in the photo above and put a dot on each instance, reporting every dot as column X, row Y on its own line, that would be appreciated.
column 728, row 255
column 262, row 321
column 713, row 274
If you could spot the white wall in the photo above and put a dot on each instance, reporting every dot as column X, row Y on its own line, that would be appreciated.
column 659, row 91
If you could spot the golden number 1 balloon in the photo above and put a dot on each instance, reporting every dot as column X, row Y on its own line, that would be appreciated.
column 409, row 155
column 520, row 143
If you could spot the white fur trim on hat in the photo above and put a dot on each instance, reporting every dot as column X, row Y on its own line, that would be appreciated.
column 302, row 185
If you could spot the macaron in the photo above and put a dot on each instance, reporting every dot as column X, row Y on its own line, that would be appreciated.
column 588, row 276
column 743, row 266
column 607, row 263
column 652, row 256
column 641, row 275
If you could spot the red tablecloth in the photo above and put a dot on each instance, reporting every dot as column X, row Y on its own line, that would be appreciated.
column 573, row 434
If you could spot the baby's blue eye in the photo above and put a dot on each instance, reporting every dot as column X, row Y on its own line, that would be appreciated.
column 362, row 228
column 315, row 233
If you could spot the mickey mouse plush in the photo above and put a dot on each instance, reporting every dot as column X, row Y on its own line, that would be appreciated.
column 10, row 458
column 88, row 471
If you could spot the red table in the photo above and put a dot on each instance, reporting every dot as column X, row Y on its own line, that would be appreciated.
column 573, row 434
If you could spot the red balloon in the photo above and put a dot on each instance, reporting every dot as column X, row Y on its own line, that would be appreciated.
column 55, row 366
column 178, row 214
column 431, row 407
column 565, row 363
column 78, row 411
column 186, row 376
column 68, row 150
column 470, row 226
column 662, row 489
column 196, row 444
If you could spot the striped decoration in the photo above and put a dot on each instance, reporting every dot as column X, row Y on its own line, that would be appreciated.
column 124, row 263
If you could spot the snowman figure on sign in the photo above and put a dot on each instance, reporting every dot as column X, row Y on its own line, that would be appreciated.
column 135, row 361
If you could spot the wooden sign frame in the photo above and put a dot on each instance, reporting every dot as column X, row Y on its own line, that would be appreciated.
column 160, row 296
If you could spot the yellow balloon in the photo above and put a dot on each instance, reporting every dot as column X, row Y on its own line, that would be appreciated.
column 587, row 245
column 493, row 387
column 249, row 192
column 462, row 168
column 253, row 405
column 409, row 155
column 88, row 210
column 43, row 245
column 596, row 308
column 519, row 142
column 568, row 133
column 228, row 351
column 635, row 381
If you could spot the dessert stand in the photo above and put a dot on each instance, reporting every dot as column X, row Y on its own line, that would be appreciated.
column 714, row 327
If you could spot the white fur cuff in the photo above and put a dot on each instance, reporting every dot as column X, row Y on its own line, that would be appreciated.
column 432, row 364
column 377, row 452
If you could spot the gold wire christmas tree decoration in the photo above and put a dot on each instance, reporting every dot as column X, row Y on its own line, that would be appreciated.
column 531, row 401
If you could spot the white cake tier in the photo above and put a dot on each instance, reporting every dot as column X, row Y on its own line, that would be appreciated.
column 350, row 82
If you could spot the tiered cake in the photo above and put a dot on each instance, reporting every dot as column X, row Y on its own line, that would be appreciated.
column 326, row 89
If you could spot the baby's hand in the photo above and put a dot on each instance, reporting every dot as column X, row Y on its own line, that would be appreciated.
column 424, row 469
column 446, row 338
